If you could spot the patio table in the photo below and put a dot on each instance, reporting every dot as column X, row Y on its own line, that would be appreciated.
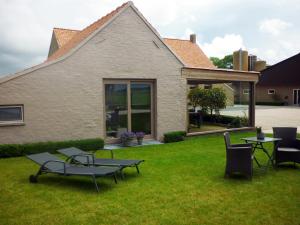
column 258, row 144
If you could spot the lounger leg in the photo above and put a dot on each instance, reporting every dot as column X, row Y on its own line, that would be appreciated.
column 122, row 174
column 115, row 178
column 96, row 185
column 137, row 168
column 33, row 178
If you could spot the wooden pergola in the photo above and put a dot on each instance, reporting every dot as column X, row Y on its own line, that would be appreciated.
column 202, row 76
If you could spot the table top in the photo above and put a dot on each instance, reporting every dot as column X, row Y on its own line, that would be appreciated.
column 266, row 139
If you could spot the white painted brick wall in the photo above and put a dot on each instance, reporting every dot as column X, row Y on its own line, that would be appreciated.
column 65, row 100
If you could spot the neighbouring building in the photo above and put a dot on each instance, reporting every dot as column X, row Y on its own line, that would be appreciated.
column 245, row 62
column 280, row 83
column 116, row 74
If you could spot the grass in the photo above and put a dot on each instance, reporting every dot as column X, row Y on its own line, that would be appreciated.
column 180, row 183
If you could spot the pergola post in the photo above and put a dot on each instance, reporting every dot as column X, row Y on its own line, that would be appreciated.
column 252, row 104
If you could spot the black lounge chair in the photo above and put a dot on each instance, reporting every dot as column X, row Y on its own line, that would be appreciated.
column 238, row 158
column 288, row 149
column 51, row 164
column 76, row 155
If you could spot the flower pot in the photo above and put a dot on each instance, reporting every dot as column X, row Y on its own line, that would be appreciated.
column 126, row 143
column 140, row 141
column 260, row 136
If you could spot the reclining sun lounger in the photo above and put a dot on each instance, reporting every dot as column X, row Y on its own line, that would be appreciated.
column 51, row 164
column 76, row 155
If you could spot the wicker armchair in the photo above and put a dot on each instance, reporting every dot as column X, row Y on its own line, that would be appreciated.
column 238, row 158
column 288, row 149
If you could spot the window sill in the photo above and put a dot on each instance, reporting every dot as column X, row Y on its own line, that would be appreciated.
column 8, row 124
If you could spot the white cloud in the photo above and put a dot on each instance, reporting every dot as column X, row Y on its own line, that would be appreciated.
column 26, row 25
column 221, row 46
column 273, row 26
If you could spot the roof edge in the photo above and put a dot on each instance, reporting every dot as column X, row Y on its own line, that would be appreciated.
column 46, row 63
column 156, row 33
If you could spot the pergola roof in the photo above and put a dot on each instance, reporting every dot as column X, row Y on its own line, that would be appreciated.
column 219, row 75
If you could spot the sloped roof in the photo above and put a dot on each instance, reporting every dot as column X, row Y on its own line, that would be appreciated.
column 190, row 53
column 80, row 36
column 284, row 73
column 63, row 35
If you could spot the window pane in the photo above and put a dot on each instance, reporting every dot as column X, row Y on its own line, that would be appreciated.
column 10, row 114
column 141, row 108
column 116, row 109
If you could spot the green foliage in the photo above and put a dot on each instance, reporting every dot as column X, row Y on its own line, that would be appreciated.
column 174, row 136
column 197, row 97
column 226, row 62
column 180, row 183
column 215, row 99
column 236, row 122
column 270, row 103
column 258, row 130
column 230, row 121
column 13, row 150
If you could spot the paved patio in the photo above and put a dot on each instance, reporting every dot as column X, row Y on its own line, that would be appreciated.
column 269, row 116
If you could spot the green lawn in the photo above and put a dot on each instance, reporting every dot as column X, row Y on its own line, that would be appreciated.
column 180, row 183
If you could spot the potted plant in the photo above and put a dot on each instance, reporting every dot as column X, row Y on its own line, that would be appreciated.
column 259, row 133
column 140, row 136
column 126, row 138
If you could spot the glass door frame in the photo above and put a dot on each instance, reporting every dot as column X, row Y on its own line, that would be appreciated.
column 296, row 99
column 128, row 82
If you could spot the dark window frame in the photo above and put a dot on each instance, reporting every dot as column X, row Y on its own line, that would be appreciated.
column 9, row 122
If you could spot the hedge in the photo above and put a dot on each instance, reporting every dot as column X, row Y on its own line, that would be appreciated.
column 13, row 150
column 174, row 136
column 271, row 103
column 231, row 121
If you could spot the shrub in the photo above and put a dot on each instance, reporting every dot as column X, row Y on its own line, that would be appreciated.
column 174, row 136
column 13, row 150
column 236, row 122
column 271, row 103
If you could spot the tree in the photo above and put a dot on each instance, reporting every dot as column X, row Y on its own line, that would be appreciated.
column 216, row 99
column 193, row 97
column 198, row 97
column 225, row 63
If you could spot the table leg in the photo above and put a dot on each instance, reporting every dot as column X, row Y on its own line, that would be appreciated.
column 255, row 159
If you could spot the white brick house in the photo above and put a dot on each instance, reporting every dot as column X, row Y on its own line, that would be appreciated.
column 116, row 74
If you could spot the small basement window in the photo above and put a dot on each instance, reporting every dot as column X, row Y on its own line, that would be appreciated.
column 11, row 114
column 246, row 91
column 271, row 91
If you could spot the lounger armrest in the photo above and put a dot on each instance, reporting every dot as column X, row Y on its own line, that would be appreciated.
column 84, row 155
column 242, row 145
column 56, row 161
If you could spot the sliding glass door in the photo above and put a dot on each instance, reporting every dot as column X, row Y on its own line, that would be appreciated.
column 116, row 107
column 128, row 107
column 141, row 107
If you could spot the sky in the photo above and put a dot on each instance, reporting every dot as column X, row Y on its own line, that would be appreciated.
column 269, row 29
